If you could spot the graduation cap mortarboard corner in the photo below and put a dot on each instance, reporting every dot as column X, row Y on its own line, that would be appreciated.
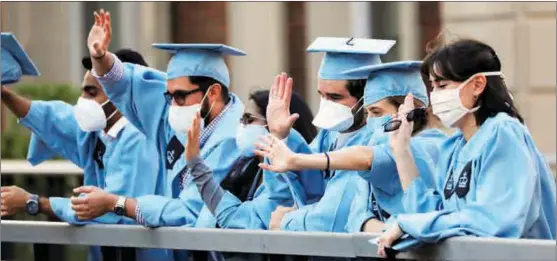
column 15, row 61
column 199, row 60
column 342, row 54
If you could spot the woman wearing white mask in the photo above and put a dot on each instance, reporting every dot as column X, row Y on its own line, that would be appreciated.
column 248, row 195
column 491, row 180
column 114, row 155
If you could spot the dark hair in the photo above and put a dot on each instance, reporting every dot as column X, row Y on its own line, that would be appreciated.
column 205, row 82
column 125, row 55
column 420, row 123
column 241, row 175
column 297, row 105
column 356, row 87
column 460, row 60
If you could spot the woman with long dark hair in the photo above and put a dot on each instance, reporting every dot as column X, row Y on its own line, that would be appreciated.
column 491, row 180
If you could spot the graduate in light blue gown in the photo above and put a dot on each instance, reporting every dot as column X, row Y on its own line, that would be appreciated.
column 94, row 136
column 342, row 121
column 385, row 90
column 491, row 180
column 248, row 195
column 162, row 105
column 382, row 194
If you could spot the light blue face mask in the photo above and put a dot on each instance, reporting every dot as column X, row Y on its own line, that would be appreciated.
column 376, row 123
column 247, row 136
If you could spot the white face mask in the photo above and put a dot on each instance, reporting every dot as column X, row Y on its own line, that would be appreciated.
column 334, row 116
column 247, row 136
column 90, row 114
column 446, row 104
column 180, row 118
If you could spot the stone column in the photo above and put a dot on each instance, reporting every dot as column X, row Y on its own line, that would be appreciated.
column 142, row 24
column 47, row 31
column 330, row 19
column 258, row 29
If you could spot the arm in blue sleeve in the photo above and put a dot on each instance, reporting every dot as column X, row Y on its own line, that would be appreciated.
column 502, row 203
column 296, row 220
column 131, row 172
column 308, row 186
column 422, row 194
column 62, row 209
column 421, row 198
column 330, row 214
column 39, row 151
column 159, row 211
column 383, row 172
column 359, row 210
column 137, row 92
column 56, row 130
column 230, row 211
column 256, row 214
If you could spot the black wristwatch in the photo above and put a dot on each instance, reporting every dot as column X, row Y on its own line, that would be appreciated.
column 32, row 205
column 120, row 206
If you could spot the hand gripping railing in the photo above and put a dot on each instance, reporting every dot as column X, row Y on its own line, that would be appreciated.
column 270, row 242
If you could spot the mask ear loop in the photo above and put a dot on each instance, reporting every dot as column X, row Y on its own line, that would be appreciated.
column 212, row 105
column 113, row 113
column 486, row 74
column 361, row 107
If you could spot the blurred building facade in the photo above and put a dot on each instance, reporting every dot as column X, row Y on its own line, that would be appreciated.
column 275, row 35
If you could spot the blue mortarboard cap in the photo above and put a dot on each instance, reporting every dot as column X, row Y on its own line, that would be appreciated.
column 342, row 54
column 15, row 61
column 199, row 60
column 392, row 79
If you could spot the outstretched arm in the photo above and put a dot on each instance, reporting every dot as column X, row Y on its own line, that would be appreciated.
column 17, row 104
column 283, row 159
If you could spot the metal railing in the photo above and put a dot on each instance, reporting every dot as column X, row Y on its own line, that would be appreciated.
column 251, row 241
column 270, row 242
column 50, row 168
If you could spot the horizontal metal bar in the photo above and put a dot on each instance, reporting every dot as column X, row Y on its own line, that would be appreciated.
column 51, row 167
column 269, row 242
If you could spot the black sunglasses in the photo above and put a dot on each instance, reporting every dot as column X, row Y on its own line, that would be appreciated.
column 413, row 115
column 179, row 96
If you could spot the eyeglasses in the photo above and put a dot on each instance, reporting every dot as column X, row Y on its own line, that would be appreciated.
column 413, row 115
column 91, row 90
column 248, row 118
column 179, row 96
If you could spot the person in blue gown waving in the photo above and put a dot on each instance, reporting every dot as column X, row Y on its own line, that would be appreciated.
column 491, row 179
column 93, row 135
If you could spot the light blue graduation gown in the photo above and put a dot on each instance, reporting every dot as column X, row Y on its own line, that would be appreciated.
column 497, row 184
column 276, row 189
column 138, row 94
column 330, row 213
column 128, row 165
column 382, row 196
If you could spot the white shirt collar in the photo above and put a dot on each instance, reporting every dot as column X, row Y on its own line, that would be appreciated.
column 116, row 128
